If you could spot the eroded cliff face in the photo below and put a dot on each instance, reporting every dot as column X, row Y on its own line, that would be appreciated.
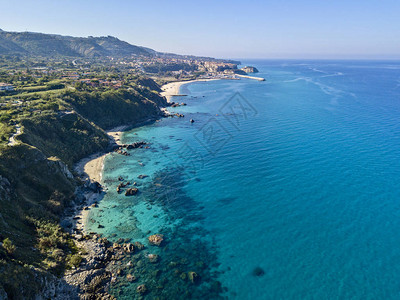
column 28, row 182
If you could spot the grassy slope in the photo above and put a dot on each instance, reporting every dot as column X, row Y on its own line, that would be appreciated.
column 34, row 179
column 67, row 136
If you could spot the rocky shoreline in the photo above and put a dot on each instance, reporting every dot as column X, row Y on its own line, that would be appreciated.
column 92, row 278
column 104, row 263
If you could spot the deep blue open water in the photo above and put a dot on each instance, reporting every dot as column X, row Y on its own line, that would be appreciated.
column 297, row 177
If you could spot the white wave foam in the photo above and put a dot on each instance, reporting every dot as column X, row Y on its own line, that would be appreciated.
column 317, row 70
column 333, row 75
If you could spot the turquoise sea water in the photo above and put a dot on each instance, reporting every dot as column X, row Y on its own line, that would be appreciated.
column 298, row 175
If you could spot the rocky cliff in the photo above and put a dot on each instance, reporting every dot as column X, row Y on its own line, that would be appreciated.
column 249, row 69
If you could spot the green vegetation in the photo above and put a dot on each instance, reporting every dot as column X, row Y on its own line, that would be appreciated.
column 57, row 247
column 61, row 119
column 56, row 45
column 67, row 136
column 122, row 106
column 8, row 246
column 75, row 260
column 163, row 68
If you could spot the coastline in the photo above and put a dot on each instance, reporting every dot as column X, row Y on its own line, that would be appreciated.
column 102, row 258
column 98, row 254
column 91, row 167
column 171, row 89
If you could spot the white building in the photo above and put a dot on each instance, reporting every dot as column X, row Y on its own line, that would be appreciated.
column 6, row 87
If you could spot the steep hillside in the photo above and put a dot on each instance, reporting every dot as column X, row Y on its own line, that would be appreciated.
column 67, row 136
column 36, row 186
column 39, row 44
column 116, row 47
column 52, row 45
column 113, row 108
column 35, row 44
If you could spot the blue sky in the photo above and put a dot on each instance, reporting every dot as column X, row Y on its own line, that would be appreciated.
column 234, row 29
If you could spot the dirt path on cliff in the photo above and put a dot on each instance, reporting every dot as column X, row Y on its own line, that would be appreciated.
column 12, row 141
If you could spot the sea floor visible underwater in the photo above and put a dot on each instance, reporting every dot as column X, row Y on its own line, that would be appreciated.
column 282, row 189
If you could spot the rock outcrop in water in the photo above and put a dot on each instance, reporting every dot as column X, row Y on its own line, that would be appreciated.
column 141, row 289
column 173, row 104
column 153, row 258
column 120, row 148
column 139, row 245
column 156, row 239
column 131, row 192
column 249, row 69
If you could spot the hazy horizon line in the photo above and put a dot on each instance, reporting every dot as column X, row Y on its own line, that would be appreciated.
column 275, row 56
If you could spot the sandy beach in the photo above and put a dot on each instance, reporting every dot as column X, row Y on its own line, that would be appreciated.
column 172, row 89
column 92, row 166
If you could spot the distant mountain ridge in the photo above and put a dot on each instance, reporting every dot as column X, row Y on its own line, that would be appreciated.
column 53, row 45
column 40, row 44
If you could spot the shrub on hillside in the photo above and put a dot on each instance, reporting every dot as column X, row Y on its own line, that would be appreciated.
column 9, row 246
column 75, row 260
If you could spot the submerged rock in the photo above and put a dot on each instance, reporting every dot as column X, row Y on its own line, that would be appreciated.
column 120, row 186
column 130, row 277
column 156, row 239
column 258, row 272
column 131, row 191
column 193, row 277
column 141, row 289
column 139, row 245
column 129, row 248
column 153, row 258
column 135, row 145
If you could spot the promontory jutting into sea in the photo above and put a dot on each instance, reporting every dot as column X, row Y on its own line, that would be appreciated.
column 130, row 173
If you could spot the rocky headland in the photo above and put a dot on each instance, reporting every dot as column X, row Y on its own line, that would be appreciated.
column 249, row 69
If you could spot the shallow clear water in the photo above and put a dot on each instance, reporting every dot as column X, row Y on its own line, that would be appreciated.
column 297, row 175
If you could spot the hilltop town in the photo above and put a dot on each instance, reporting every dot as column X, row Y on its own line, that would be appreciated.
column 27, row 78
